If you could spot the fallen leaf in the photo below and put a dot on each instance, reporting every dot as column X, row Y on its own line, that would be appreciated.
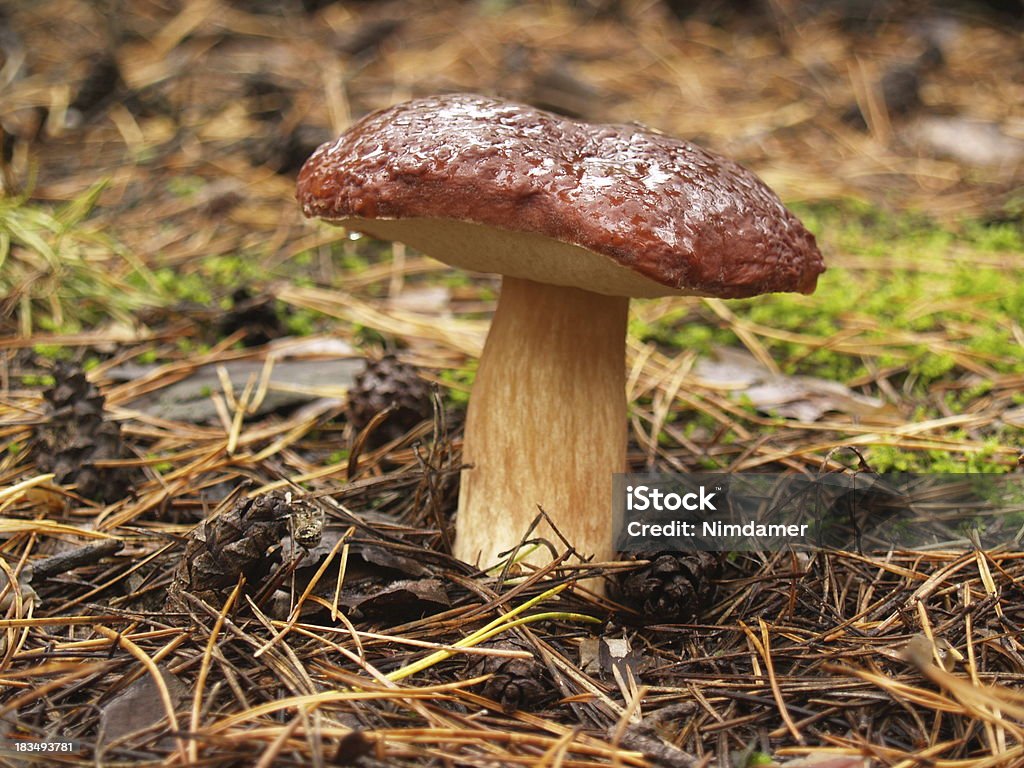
column 387, row 558
column 804, row 398
column 402, row 598
column 138, row 707
column 973, row 142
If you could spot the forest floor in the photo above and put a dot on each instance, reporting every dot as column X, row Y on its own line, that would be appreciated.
column 180, row 350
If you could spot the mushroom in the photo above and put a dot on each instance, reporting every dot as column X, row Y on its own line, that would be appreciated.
column 577, row 218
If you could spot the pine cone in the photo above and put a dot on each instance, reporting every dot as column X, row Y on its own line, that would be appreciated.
column 386, row 383
column 76, row 436
column 514, row 683
column 241, row 538
column 673, row 586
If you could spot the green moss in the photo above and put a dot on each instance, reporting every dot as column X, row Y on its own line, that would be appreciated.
column 232, row 270
column 184, row 286
column 887, row 458
column 52, row 351
column 301, row 322
column 459, row 383
column 683, row 331
column 457, row 279
column 999, row 237
column 958, row 400
column 931, row 366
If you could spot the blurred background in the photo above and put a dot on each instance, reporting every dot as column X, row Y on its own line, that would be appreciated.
column 918, row 105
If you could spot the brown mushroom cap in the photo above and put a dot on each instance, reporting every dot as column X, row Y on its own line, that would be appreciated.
column 614, row 209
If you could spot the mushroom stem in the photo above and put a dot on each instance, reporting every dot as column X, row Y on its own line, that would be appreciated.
column 546, row 425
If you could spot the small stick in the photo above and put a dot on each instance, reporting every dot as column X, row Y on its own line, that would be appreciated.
column 49, row 567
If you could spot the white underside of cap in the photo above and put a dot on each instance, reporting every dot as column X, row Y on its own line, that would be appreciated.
column 482, row 248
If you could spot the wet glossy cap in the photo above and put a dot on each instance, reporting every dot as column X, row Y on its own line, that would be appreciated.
column 502, row 187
